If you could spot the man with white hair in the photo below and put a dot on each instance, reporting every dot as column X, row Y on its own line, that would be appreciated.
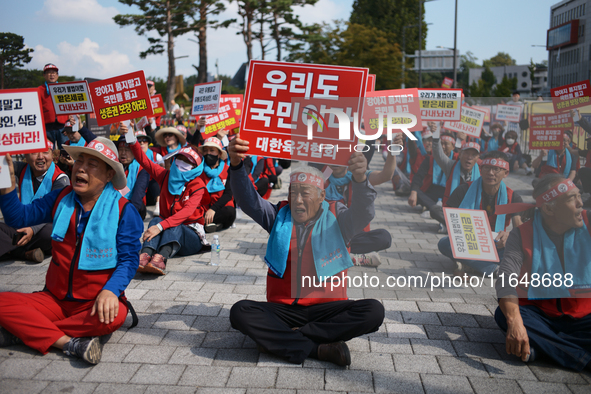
column 307, row 244
column 544, row 283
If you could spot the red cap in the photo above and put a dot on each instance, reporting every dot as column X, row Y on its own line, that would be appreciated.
column 50, row 66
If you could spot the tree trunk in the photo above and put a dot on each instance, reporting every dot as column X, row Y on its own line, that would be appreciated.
column 170, row 88
column 262, row 36
column 247, row 28
column 2, row 74
column 202, row 70
column 276, row 36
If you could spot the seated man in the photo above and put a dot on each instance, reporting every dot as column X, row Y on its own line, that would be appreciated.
column 557, row 161
column 35, row 178
column 487, row 193
column 552, row 318
column 300, row 321
column 137, row 178
column 95, row 253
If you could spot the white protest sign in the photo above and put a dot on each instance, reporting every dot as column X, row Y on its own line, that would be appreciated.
column 470, row 235
column 510, row 113
column 5, row 180
column 70, row 98
column 206, row 98
column 143, row 122
column 471, row 123
column 440, row 104
column 22, row 129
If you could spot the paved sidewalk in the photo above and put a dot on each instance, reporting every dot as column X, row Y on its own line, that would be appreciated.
column 440, row 341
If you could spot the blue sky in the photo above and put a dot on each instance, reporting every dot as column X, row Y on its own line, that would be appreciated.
column 81, row 38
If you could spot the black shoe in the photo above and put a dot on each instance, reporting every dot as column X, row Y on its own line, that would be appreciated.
column 213, row 227
column 7, row 339
column 88, row 349
column 337, row 353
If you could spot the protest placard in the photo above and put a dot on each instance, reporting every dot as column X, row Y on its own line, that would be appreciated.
column 226, row 118
column 509, row 113
column 571, row 96
column 486, row 109
column 546, row 131
column 384, row 102
column 470, row 235
column 371, row 82
column 447, row 83
column 158, row 105
column 471, row 123
column 22, row 128
column 440, row 104
column 70, row 98
column 206, row 98
column 282, row 97
column 121, row 98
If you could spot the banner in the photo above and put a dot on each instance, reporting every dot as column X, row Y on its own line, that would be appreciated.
column 22, row 128
column 282, row 98
column 447, row 83
column 471, row 123
column 440, row 104
column 228, row 116
column 509, row 113
column 470, row 235
column 121, row 98
column 158, row 105
column 547, row 131
column 206, row 98
column 371, row 83
column 70, row 98
column 383, row 102
column 571, row 96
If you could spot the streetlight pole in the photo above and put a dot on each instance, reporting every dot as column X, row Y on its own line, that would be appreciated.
column 455, row 45
column 403, row 85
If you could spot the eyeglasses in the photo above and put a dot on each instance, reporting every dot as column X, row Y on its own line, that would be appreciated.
column 495, row 170
column 143, row 141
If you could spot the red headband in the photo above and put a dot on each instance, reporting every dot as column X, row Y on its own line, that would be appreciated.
column 495, row 163
column 103, row 149
column 307, row 179
column 551, row 195
column 448, row 139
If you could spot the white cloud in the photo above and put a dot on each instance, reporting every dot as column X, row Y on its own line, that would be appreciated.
column 83, row 60
column 78, row 11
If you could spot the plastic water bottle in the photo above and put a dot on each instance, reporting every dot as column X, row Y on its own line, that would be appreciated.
column 439, row 203
column 215, row 251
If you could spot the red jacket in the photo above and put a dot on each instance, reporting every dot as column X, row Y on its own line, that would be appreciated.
column 63, row 275
column 579, row 305
column 428, row 180
column 48, row 109
column 175, row 210
column 210, row 198
column 279, row 290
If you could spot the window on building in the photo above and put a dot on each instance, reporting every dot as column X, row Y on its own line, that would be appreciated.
column 524, row 74
column 545, row 79
column 524, row 84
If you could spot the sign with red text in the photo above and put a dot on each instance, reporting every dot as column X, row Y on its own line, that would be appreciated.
column 22, row 127
column 228, row 116
column 121, row 98
column 158, row 105
column 282, row 98
column 509, row 113
column 470, row 235
column 383, row 102
column 371, row 82
column 486, row 109
column 471, row 123
column 440, row 104
column 70, row 98
column 447, row 83
column 546, row 131
column 206, row 98
column 571, row 96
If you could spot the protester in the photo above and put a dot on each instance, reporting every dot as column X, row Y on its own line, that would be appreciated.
column 137, row 178
column 221, row 212
column 153, row 192
column 553, row 319
column 255, row 166
column 95, row 252
column 36, row 177
column 53, row 123
column 308, row 322
column 584, row 173
column 491, row 142
column 72, row 133
column 170, row 140
column 512, row 149
column 486, row 193
column 557, row 161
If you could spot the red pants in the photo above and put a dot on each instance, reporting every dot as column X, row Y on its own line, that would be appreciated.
column 40, row 319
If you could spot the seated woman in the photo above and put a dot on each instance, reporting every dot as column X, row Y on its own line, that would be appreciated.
column 170, row 140
column 511, row 148
column 174, row 231
column 221, row 212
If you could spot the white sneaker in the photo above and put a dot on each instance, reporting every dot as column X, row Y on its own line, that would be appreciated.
column 157, row 209
column 367, row 260
column 442, row 229
column 426, row 215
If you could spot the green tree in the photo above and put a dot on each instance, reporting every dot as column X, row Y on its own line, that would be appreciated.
column 484, row 86
column 13, row 53
column 247, row 11
column 500, row 59
column 467, row 61
column 506, row 87
column 318, row 44
column 18, row 78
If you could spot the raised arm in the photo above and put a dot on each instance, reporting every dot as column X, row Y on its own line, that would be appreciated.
column 154, row 170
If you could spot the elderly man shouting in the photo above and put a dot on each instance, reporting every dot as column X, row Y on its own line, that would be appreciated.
column 307, row 244
column 95, row 254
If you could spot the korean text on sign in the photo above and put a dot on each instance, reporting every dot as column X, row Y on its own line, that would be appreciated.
column 281, row 97
column 21, row 122
column 471, row 123
column 206, row 98
column 385, row 102
column 510, row 113
column 470, row 235
column 571, row 96
column 440, row 104
column 546, row 131
column 71, row 97
column 158, row 105
column 121, row 98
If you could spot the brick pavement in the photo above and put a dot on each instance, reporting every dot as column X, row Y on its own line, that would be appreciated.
column 441, row 341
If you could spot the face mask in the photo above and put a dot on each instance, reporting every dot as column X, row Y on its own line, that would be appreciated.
column 210, row 160
column 510, row 141
column 183, row 166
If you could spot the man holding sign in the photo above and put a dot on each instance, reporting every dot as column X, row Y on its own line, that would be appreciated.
column 53, row 124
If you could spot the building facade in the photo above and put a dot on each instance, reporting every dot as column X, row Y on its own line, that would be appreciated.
column 521, row 72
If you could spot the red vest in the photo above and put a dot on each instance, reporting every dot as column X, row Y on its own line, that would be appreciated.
column 279, row 289
column 508, row 149
column 63, row 276
column 171, row 204
column 546, row 169
column 210, row 198
column 48, row 108
column 56, row 173
column 556, row 307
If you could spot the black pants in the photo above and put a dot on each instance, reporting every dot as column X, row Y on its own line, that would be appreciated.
column 585, row 177
column 40, row 240
column 225, row 216
column 429, row 199
column 262, row 186
column 270, row 325
column 371, row 241
column 152, row 193
column 284, row 163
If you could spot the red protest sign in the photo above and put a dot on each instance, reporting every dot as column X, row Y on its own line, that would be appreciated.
column 158, row 105
column 226, row 118
column 280, row 100
column 371, row 82
column 22, row 127
column 396, row 101
column 121, row 98
column 447, row 83
column 547, row 131
column 571, row 96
